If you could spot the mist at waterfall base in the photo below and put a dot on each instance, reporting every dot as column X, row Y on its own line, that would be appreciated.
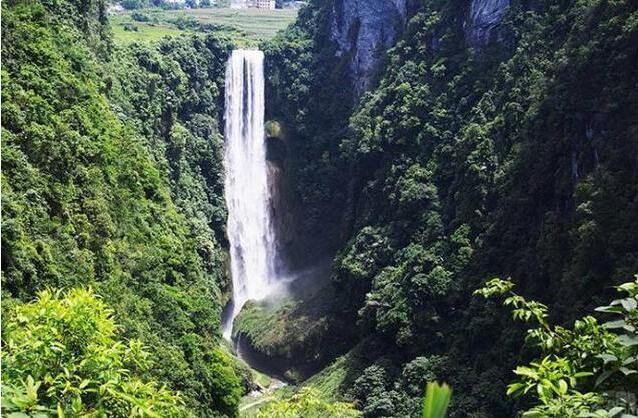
column 251, row 233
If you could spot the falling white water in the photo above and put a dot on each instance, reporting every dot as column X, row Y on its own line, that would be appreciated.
column 250, row 230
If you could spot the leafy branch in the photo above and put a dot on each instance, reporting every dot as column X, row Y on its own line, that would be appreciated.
column 562, row 378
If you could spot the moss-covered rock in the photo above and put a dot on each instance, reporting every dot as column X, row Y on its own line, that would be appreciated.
column 267, row 333
column 273, row 129
column 295, row 339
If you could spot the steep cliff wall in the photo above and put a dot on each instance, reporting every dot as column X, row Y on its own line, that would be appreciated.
column 483, row 17
column 363, row 31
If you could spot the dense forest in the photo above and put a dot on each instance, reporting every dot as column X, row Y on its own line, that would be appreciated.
column 111, row 178
column 416, row 168
column 467, row 159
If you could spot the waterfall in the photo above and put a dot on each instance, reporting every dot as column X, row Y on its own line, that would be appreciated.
column 250, row 227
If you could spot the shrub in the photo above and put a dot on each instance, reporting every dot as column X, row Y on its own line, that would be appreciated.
column 61, row 354
column 140, row 17
column 129, row 27
column 307, row 403
column 582, row 371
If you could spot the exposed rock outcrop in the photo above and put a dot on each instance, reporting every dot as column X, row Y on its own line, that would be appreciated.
column 483, row 17
column 363, row 30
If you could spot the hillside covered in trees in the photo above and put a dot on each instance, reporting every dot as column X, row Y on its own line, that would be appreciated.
column 111, row 177
column 471, row 154
column 423, row 148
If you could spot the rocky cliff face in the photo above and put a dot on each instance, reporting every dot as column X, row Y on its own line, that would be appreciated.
column 363, row 30
column 483, row 17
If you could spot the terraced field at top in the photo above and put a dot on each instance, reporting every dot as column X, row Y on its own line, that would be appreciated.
column 246, row 26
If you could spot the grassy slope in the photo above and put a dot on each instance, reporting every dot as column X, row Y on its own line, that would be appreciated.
column 244, row 26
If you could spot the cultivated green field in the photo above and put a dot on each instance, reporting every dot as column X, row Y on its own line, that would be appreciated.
column 245, row 26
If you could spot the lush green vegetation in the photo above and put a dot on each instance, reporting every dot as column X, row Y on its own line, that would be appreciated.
column 307, row 403
column 516, row 158
column 291, row 334
column 243, row 26
column 436, row 401
column 61, row 356
column 112, row 177
column 127, row 30
column 167, row 4
column 590, row 370
column 266, row 327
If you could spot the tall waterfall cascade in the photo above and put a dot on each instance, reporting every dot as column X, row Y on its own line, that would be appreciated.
column 250, row 226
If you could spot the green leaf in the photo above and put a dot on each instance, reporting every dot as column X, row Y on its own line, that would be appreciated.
column 628, row 340
column 620, row 323
column 436, row 401
column 562, row 385
column 607, row 358
column 629, row 303
column 513, row 388
column 603, row 376
column 627, row 371
column 609, row 309
column 615, row 411
column 526, row 371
